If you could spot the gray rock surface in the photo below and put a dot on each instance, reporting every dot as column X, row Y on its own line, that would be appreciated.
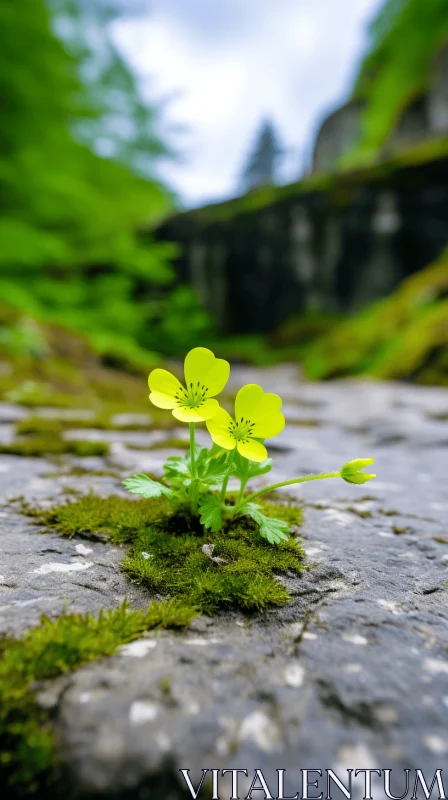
column 352, row 673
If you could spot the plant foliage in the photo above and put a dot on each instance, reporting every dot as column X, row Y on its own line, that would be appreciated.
column 78, row 148
column 405, row 39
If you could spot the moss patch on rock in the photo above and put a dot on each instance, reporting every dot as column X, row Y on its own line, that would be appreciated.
column 52, row 445
column 53, row 366
column 403, row 336
column 28, row 753
column 171, row 555
column 102, row 421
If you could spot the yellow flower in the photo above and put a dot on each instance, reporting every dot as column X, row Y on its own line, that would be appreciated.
column 257, row 416
column 205, row 377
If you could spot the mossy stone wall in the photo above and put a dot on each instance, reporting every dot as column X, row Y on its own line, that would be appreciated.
column 334, row 243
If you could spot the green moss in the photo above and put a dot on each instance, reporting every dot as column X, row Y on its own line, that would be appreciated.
column 403, row 336
column 102, row 421
column 39, row 425
column 252, row 349
column 292, row 514
column 167, row 555
column 67, row 374
column 28, row 754
column 359, row 512
column 302, row 329
column 399, row 531
column 120, row 517
column 351, row 175
column 398, row 67
column 164, row 685
column 48, row 445
column 82, row 472
column 33, row 395
column 441, row 416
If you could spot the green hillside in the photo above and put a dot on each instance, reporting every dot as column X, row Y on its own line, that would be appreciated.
column 405, row 38
column 70, row 216
column 404, row 336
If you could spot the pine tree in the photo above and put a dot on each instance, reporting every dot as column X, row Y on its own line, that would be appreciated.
column 262, row 167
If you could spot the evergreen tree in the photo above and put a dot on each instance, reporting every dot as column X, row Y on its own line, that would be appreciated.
column 262, row 167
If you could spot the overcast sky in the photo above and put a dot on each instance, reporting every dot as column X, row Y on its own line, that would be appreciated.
column 223, row 65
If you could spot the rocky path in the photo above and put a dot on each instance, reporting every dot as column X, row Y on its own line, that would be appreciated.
column 353, row 673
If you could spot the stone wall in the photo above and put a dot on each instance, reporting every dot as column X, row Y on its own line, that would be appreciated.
column 257, row 260
column 424, row 116
column 338, row 133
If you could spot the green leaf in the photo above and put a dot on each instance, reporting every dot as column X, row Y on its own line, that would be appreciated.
column 176, row 467
column 210, row 510
column 201, row 456
column 274, row 530
column 214, row 470
column 146, row 487
column 211, row 466
column 245, row 469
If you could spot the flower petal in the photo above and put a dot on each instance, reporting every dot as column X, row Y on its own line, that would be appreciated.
column 209, row 408
column 203, row 368
column 271, row 425
column 220, row 423
column 253, row 403
column 161, row 381
column 254, row 451
column 163, row 400
column 218, row 428
column 226, row 441
column 205, row 411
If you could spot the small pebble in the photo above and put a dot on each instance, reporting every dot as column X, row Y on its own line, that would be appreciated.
column 436, row 744
column 55, row 566
column 138, row 649
column 294, row 675
column 435, row 666
column 353, row 669
column 83, row 550
column 354, row 638
column 141, row 712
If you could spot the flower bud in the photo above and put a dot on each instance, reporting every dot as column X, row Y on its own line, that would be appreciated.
column 351, row 471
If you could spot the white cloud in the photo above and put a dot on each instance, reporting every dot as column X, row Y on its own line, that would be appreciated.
column 228, row 64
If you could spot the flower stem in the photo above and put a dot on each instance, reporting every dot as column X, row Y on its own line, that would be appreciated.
column 241, row 492
column 274, row 486
column 193, row 485
column 192, row 451
column 222, row 496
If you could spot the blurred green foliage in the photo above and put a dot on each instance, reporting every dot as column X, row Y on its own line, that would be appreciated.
column 405, row 38
column 77, row 148
column 403, row 336
column 123, row 126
